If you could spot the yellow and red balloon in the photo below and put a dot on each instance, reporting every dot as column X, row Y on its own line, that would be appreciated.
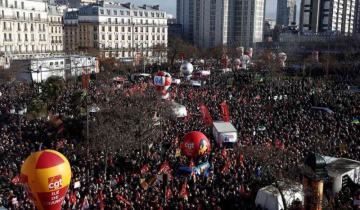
column 46, row 176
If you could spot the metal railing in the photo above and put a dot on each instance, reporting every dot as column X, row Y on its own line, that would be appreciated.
column 11, row 17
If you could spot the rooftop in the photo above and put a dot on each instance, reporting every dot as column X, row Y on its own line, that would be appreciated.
column 338, row 166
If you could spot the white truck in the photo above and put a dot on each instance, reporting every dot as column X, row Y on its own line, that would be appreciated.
column 225, row 133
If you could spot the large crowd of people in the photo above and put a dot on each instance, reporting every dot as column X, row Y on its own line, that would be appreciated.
column 281, row 106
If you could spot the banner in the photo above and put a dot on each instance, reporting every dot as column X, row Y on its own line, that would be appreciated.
column 225, row 112
column 137, row 59
column 206, row 115
column 84, row 80
column 88, row 80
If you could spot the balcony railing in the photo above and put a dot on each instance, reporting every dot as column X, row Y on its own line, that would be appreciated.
column 8, row 40
column 11, row 17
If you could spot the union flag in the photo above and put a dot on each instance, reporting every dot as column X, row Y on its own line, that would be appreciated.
column 169, row 194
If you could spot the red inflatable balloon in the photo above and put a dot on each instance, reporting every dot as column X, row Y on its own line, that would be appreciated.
column 195, row 144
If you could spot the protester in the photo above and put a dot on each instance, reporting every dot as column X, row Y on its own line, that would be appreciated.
column 283, row 107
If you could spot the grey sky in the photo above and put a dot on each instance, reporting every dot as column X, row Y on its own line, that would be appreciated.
column 170, row 6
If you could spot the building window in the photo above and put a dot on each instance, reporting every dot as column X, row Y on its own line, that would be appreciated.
column 101, row 11
column 129, row 29
column 116, row 37
column 110, row 28
column 116, row 29
column 15, row 4
column 103, row 37
column 22, row 5
column 103, row 28
column 95, row 28
column 122, row 37
column 108, row 12
column 95, row 36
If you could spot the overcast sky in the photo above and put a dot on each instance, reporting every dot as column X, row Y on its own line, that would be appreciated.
column 170, row 6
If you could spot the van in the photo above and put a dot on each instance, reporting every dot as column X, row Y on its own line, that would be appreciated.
column 185, row 171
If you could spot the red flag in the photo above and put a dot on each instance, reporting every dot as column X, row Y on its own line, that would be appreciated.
column 225, row 112
column 168, row 194
column 188, row 114
column 242, row 91
column 224, row 152
column 199, row 206
column 283, row 145
column 277, row 143
column 280, row 174
column 268, row 145
column 225, row 169
column 242, row 188
column 192, row 164
column 101, row 199
column 183, row 193
column 244, row 101
column 191, row 95
column 205, row 114
column 181, row 205
column 16, row 180
column 258, row 97
column 145, row 170
column 72, row 198
column 241, row 160
column 176, row 140
column 111, row 162
column 228, row 160
column 185, row 119
column 165, row 168
column 122, row 199
column 193, row 175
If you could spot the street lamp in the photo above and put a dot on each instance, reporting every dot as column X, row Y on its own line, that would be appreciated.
column 21, row 111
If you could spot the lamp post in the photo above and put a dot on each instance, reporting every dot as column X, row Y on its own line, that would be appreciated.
column 21, row 112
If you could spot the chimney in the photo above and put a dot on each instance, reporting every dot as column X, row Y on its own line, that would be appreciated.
column 157, row 7
column 128, row 5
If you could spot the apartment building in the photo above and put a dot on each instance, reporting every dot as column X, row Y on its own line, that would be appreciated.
column 232, row 22
column 328, row 15
column 25, row 28
column 286, row 12
column 118, row 30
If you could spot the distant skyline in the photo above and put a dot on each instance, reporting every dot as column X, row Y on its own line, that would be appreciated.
column 170, row 6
